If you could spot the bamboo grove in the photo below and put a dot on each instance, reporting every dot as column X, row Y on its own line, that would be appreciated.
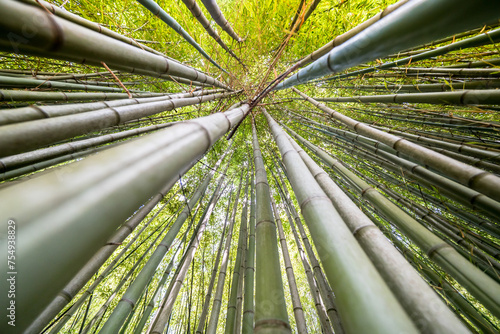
column 248, row 166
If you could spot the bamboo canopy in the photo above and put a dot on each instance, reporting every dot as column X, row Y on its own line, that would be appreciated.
column 152, row 183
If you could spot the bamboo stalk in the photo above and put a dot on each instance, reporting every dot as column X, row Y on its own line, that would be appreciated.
column 314, row 289
column 248, row 302
column 157, row 11
column 217, row 303
column 158, row 326
column 466, row 97
column 47, row 131
column 349, row 34
column 59, row 38
column 231, row 320
column 478, row 283
column 19, row 95
column 97, row 189
column 398, row 31
column 322, row 284
column 338, row 250
column 192, row 5
column 270, row 307
column 208, row 296
column 39, row 112
column 475, row 178
column 298, row 312
column 219, row 18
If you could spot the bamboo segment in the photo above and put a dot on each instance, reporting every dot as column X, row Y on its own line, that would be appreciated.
column 361, row 293
column 465, row 97
column 398, row 31
column 58, row 38
column 47, row 131
column 300, row 320
column 101, row 186
column 475, row 178
column 479, row 284
column 219, row 18
column 412, row 292
column 156, row 295
column 23, row 159
column 157, row 11
column 26, row 83
column 270, row 306
column 39, row 112
column 19, row 95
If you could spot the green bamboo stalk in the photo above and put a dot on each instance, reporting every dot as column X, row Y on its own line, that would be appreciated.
column 412, row 292
column 422, row 71
column 135, row 289
column 466, row 97
column 20, row 160
column 219, row 18
column 231, row 324
column 70, row 290
column 320, row 309
column 437, row 87
column 440, row 285
column 323, row 286
column 48, row 131
column 482, row 39
column 6, row 81
column 104, row 273
column 248, row 302
column 476, row 64
column 157, row 11
column 357, row 287
column 475, row 178
column 402, row 29
column 298, row 312
column 349, row 34
column 208, row 296
column 158, row 326
column 97, row 317
column 39, row 112
column 99, row 184
column 270, row 307
column 217, row 303
column 192, row 5
column 19, row 95
column 476, row 282
column 67, row 40
column 61, row 12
